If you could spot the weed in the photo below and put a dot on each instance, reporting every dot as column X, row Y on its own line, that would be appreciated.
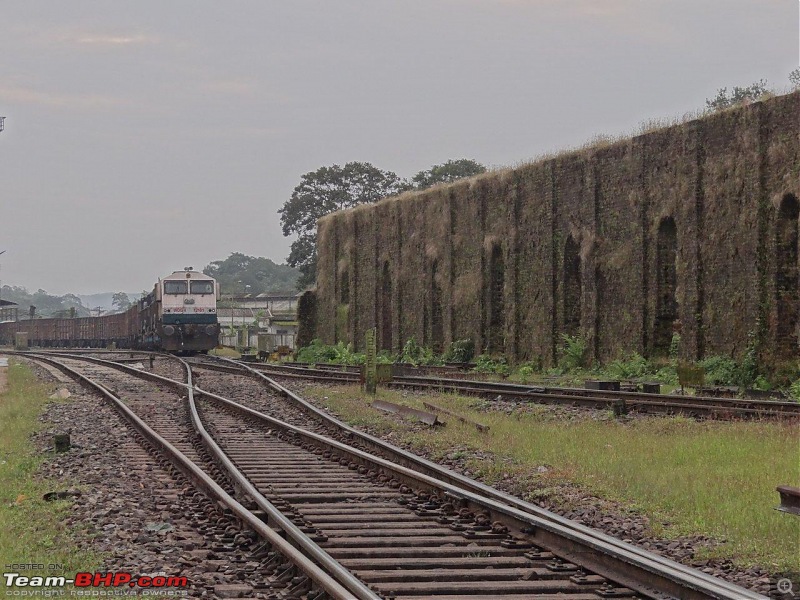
column 460, row 351
column 486, row 363
column 573, row 352
column 635, row 367
column 317, row 352
column 675, row 346
column 415, row 354
column 525, row 372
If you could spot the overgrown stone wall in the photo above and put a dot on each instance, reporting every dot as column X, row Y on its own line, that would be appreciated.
column 678, row 230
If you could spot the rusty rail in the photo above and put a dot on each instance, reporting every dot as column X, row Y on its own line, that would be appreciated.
column 199, row 478
column 676, row 579
column 647, row 573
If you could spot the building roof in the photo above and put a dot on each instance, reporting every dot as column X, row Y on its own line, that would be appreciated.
column 7, row 303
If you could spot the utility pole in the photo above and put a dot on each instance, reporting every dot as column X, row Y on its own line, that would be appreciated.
column 1, row 251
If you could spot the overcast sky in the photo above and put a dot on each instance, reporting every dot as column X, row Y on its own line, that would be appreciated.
column 142, row 137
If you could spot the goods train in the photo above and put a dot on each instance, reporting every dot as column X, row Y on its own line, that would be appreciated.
column 179, row 315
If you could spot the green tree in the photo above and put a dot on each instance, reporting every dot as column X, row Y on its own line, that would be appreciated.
column 120, row 301
column 324, row 191
column 447, row 172
column 240, row 273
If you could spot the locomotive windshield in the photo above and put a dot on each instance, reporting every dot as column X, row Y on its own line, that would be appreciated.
column 202, row 287
column 175, row 287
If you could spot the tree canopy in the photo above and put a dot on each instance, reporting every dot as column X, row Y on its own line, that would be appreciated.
column 46, row 304
column 333, row 188
column 240, row 273
column 324, row 191
column 120, row 301
column 447, row 172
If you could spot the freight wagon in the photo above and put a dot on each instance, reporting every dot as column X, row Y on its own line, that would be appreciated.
column 179, row 315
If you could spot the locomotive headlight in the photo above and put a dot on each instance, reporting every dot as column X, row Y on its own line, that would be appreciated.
column 210, row 330
column 169, row 330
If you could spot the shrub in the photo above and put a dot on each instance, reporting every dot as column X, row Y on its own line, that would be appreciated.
column 317, row 352
column 347, row 356
column 490, row 364
column 738, row 95
column 794, row 390
column 720, row 370
column 385, row 357
column 572, row 354
column 525, row 372
column 636, row 366
column 460, row 351
column 417, row 355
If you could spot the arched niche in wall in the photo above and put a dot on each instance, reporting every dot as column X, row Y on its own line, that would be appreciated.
column 344, row 287
column 786, row 274
column 343, row 306
column 386, row 308
column 573, row 287
column 496, row 301
column 666, row 285
column 437, row 318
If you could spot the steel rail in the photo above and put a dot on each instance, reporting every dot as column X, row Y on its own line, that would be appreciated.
column 696, row 405
column 519, row 389
column 646, row 573
column 202, row 480
column 530, row 510
column 661, row 581
column 334, row 568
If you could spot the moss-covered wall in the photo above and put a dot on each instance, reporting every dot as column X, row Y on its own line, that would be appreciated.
column 716, row 183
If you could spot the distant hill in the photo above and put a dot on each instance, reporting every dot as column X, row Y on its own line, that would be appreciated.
column 46, row 304
column 104, row 300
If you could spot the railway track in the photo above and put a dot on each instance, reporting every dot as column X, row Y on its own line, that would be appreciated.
column 170, row 424
column 623, row 401
column 406, row 533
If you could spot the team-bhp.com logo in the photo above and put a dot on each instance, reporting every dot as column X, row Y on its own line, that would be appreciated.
column 96, row 580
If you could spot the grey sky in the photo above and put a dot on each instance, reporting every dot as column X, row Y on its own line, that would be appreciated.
column 142, row 137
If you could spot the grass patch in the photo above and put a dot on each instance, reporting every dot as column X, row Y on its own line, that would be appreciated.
column 225, row 352
column 710, row 478
column 31, row 530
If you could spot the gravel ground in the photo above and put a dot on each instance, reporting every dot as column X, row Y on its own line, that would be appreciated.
column 142, row 518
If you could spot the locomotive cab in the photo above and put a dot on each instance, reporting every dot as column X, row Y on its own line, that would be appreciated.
column 187, row 315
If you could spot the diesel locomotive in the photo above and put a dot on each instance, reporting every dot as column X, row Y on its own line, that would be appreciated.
column 179, row 315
